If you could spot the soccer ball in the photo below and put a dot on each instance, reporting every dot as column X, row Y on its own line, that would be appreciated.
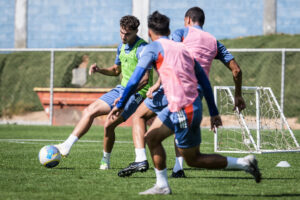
column 49, row 156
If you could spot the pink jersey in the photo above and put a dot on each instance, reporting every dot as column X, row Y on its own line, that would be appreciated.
column 203, row 46
column 177, row 75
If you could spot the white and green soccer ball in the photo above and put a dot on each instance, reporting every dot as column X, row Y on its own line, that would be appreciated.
column 49, row 156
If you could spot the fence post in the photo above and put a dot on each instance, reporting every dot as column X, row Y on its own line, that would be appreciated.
column 282, row 79
column 51, row 86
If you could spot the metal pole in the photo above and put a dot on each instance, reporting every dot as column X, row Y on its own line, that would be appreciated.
column 216, row 133
column 51, row 86
column 257, row 99
column 282, row 78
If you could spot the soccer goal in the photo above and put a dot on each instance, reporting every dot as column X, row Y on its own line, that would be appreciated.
column 260, row 128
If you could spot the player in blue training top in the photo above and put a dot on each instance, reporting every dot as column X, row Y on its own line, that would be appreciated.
column 128, row 54
column 180, row 75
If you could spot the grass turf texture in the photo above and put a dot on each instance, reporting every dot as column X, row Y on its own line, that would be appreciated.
column 78, row 176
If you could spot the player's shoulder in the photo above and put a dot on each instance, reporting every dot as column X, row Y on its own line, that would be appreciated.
column 119, row 47
column 208, row 34
column 179, row 31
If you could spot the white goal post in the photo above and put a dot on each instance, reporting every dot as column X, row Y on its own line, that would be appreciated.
column 260, row 128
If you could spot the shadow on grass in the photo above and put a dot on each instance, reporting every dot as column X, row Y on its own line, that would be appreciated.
column 256, row 195
column 65, row 168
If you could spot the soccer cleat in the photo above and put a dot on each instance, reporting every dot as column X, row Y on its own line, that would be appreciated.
column 253, row 167
column 104, row 165
column 134, row 167
column 157, row 190
column 63, row 151
column 178, row 174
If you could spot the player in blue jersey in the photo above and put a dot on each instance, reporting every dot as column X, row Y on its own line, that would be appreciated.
column 180, row 75
column 205, row 48
column 128, row 54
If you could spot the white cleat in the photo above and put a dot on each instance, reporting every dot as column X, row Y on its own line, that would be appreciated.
column 253, row 167
column 104, row 165
column 63, row 151
column 157, row 190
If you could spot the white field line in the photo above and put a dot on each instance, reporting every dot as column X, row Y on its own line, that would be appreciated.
column 41, row 141
column 46, row 140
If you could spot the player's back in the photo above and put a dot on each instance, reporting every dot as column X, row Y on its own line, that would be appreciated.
column 202, row 45
column 178, row 75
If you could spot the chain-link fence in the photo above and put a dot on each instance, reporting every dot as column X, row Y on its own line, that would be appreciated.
column 22, row 70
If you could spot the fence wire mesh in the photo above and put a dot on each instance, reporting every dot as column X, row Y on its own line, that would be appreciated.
column 22, row 71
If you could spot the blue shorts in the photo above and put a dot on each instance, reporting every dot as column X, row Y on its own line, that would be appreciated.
column 158, row 102
column 185, row 124
column 132, row 104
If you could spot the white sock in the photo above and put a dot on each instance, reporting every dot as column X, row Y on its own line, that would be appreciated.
column 236, row 163
column 140, row 155
column 106, row 157
column 178, row 164
column 161, row 178
column 69, row 142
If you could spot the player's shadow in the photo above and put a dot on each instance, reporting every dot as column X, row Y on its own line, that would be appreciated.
column 283, row 195
column 65, row 168
column 226, row 177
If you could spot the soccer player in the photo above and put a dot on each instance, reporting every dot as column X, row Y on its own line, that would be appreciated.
column 180, row 76
column 128, row 54
column 205, row 48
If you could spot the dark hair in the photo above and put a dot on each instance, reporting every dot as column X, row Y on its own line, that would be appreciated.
column 129, row 22
column 196, row 14
column 159, row 23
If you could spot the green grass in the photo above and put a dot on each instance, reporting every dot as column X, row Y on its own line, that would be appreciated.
column 78, row 176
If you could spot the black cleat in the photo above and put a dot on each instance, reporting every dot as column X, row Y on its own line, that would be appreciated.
column 134, row 167
column 178, row 174
column 253, row 167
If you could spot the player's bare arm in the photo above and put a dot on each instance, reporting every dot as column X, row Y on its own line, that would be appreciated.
column 143, row 81
column 114, row 70
column 153, row 88
column 237, row 78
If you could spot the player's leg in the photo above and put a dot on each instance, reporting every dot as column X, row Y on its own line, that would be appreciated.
column 154, row 137
column 194, row 158
column 188, row 142
column 178, row 171
column 146, row 111
column 140, row 164
column 109, row 127
column 109, row 140
column 97, row 108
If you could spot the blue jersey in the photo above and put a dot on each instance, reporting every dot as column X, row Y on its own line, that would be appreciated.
column 154, row 54
column 223, row 55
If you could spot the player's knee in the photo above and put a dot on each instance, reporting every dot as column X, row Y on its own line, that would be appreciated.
column 109, row 126
column 151, row 140
column 87, row 112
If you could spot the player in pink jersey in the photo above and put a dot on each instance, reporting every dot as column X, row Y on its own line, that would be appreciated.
column 205, row 49
column 178, row 70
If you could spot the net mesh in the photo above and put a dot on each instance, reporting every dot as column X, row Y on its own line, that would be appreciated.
column 258, row 128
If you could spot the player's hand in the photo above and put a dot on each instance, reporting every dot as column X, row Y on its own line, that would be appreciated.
column 149, row 93
column 215, row 122
column 93, row 68
column 114, row 113
column 116, row 101
column 239, row 103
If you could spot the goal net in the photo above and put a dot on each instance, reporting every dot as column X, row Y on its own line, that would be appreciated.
column 260, row 128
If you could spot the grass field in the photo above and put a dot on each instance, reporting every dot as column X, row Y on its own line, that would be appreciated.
column 78, row 176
